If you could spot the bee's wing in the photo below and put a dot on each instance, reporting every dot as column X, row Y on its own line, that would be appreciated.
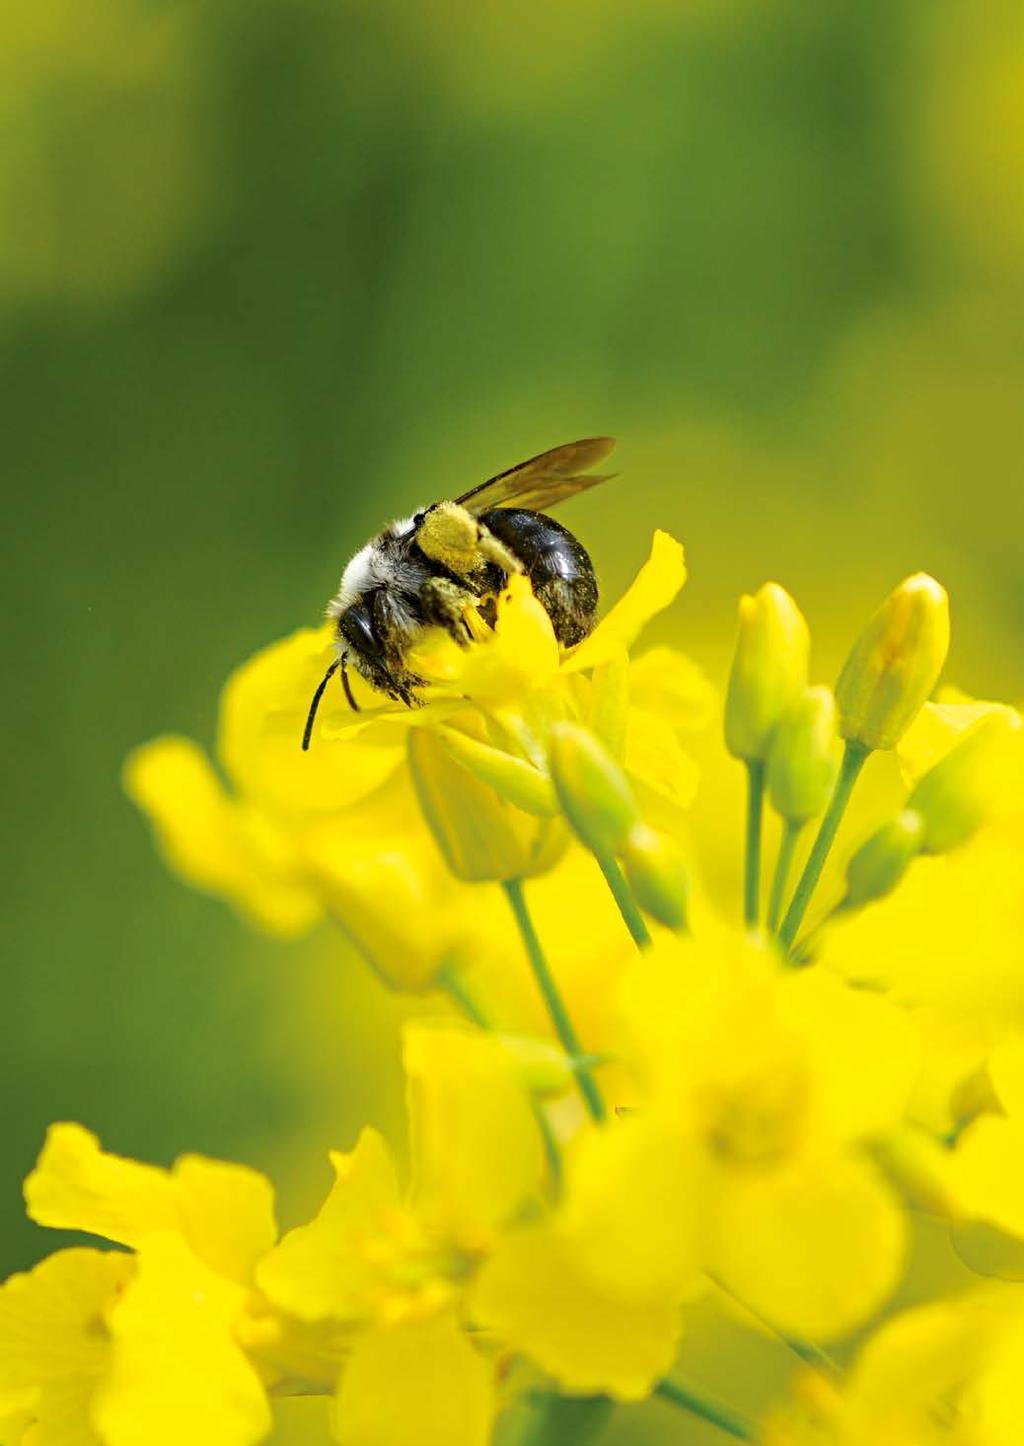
column 542, row 481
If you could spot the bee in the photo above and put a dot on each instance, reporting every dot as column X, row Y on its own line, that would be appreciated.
column 426, row 570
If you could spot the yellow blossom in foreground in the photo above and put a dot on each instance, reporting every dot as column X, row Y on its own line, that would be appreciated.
column 156, row 1355
column 756, row 1090
column 184, row 1337
column 945, row 1374
column 737, row 1156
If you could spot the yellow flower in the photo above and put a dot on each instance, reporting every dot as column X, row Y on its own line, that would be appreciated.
column 396, row 1267
column 371, row 1255
column 184, row 1337
column 738, row 1157
column 948, row 1372
column 757, row 1087
column 142, row 1348
column 295, row 835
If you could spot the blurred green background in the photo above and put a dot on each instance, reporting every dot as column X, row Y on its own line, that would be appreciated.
column 273, row 271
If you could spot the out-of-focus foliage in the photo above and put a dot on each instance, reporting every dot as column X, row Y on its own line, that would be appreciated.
column 272, row 272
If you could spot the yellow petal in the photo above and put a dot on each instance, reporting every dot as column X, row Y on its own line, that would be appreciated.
column 655, row 759
column 936, row 729
column 814, row 1251
column 421, row 925
column 323, row 1269
column 609, row 702
column 262, row 714
column 1006, row 1072
column 635, row 1196
column 670, row 685
column 999, row 1394
column 905, row 1379
column 177, row 1373
column 418, row 1382
column 476, row 1149
column 656, row 585
column 214, row 843
column 77, row 1186
column 531, row 1294
column 54, row 1347
column 988, row 1172
column 519, row 656
column 224, row 1211
column 865, row 1053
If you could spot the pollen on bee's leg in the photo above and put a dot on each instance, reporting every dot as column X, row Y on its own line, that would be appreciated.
column 495, row 551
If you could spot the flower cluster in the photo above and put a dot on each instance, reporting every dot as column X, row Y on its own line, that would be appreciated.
column 627, row 1107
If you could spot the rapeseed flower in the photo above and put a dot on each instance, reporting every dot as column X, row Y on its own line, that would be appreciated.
column 644, row 1112
column 297, row 836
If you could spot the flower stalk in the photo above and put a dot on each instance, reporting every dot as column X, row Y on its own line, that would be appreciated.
column 559, row 1015
column 855, row 755
column 752, row 856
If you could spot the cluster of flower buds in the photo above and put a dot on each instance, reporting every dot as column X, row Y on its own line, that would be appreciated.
column 788, row 734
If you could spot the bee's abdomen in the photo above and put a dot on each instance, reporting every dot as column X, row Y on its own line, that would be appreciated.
column 558, row 566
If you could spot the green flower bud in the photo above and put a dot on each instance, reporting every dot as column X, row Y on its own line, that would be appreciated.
column 895, row 664
column 545, row 1069
column 657, row 875
column 803, row 758
column 769, row 669
column 878, row 865
column 593, row 790
column 517, row 781
column 962, row 791
column 481, row 836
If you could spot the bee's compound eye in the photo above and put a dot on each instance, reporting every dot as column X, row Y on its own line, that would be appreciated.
column 356, row 626
column 418, row 519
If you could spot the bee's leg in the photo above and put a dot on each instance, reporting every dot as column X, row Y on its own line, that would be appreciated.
column 394, row 628
column 444, row 602
column 346, row 684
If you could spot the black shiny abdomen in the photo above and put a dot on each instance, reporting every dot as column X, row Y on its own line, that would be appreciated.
column 558, row 566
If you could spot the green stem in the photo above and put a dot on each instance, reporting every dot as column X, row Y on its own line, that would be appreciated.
column 451, row 980
column 791, row 832
column 623, row 896
column 552, row 998
column 567, row 1421
column 854, row 758
column 752, row 872
column 726, row 1419
column 806, row 1351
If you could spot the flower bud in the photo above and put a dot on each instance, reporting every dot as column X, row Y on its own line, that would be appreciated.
column 878, row 865
column 962, row 791
column 517, row 781
column 593, row 790
column 545, row 1070
column 657, row 875
column 769, row 669
column 802, row 759
column 895, row 664
column 481, row 836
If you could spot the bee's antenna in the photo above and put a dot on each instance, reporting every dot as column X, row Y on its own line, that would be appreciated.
column 346, row 684
column 307, row 732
